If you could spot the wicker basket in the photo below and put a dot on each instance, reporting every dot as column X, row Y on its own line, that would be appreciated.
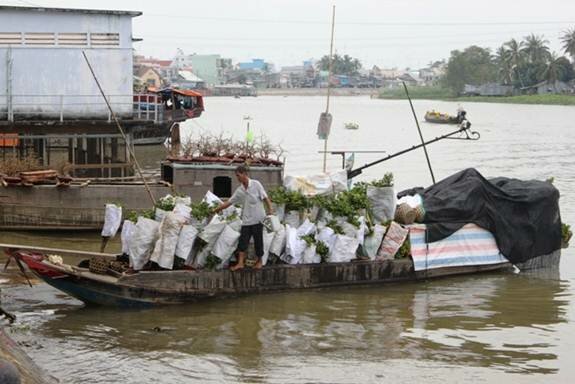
column 118, row 266
column 404, row 214
column 99, row 264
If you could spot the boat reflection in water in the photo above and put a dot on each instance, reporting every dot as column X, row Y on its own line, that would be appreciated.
column 499, row 321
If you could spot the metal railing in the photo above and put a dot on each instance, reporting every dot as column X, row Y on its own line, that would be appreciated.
column 145, row 107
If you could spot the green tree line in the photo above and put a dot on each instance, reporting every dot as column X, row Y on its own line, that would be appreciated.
column 521, row 64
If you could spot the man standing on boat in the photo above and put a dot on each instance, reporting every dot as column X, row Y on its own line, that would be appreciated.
column 250, row 195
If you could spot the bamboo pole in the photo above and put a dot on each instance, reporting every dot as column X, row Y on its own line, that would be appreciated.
column 329, row 83
column 419, row 130
column 128, row 144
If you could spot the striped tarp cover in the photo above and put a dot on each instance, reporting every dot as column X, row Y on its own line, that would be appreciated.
column 470, row 245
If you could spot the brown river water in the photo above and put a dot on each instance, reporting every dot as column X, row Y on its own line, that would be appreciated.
column 500, row 327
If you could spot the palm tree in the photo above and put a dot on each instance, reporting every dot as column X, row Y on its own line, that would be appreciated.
column 568, row 40
column 504, row 66
column 536, row 49
column 515, row 57
column 553, row 71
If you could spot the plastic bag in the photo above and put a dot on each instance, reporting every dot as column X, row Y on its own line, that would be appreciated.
column 226, row 243
column 372, row 242
column 142, row 241
column 393, row 240
column 344, row 249
column 112, row 220
column 127, row 231
column 186, row 240
column 382, row 200
column 165, row 247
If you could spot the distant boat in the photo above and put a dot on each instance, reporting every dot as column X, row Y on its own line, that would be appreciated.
column 444, row 118
column 351, row 126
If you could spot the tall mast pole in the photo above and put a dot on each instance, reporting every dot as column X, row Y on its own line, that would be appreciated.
column 329, row 83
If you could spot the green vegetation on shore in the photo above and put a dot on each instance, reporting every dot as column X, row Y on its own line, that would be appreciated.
column 439, row 93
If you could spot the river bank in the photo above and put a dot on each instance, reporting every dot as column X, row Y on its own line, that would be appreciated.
column 436, row 93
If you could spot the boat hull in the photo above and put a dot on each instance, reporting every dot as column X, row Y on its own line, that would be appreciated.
column 146, row 289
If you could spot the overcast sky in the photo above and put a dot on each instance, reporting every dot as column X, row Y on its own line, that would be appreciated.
column 387, row 33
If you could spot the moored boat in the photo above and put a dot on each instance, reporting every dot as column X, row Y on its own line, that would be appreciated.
column 149, row 288
column 444, row 118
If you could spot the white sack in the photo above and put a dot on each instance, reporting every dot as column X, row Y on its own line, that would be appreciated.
column 279, row 242
column 321, row 184
column 185, row 200
column 307, row 228
column 127, row 231
column 268, row 238
column 327, row 236
column 212, row 200
column 393, row 240
column 159, row 214
column 112, row 220
column 226, row 244
column 186, row 240
column 184, row 211
column 211, row 231
column 373, row 241
column 344, row 249
column 294, row 246
column 382, row 200
column 165, row 248
column 292, row 218
column 279, row 210
column 272, row 223
column 200, row 259
column 142, row 242
column 310, row 256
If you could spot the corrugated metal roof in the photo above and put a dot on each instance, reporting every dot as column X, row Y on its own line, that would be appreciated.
column 71, row 10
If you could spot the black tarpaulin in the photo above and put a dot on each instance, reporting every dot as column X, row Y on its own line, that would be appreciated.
column 522, row 215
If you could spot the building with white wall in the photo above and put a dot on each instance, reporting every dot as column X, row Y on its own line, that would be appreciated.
column 43, row 73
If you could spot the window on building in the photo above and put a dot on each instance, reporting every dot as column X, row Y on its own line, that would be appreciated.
column 222, row 186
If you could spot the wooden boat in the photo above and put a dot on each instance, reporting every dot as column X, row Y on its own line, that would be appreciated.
column 440, row 118
column 149, row 288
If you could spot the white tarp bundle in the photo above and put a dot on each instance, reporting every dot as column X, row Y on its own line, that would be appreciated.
column 322, row 184
column 294, row 246
column 142, row 242
column 112, row 220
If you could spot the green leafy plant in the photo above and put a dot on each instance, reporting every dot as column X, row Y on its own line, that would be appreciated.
column 309, row 239
column 566, row 233
column 201, row 210
column 166, row 203
column 385, row 181
column 293, row 200
column 405, row 250
column 337, row 229
column 212, row 262
column 322, row 250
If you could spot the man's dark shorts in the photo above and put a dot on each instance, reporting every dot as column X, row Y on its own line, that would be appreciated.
column 247, row 231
